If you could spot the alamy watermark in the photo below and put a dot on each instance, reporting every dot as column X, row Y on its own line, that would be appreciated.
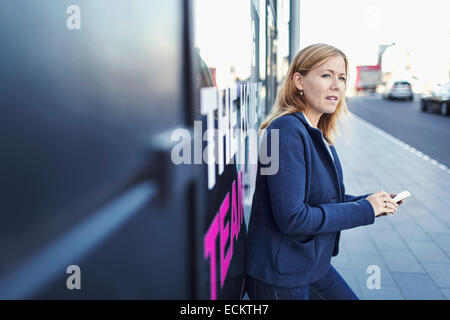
column 374, row 281
column 74, row 280
column 215, row 153
column 73, row 22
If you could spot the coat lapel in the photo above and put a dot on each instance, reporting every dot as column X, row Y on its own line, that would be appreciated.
column 316, row 135
column 338, row 171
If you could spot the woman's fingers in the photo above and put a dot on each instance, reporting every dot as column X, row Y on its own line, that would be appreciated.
column 382, row 203
column 393, row 195
column 388, row 206
column 387, row 197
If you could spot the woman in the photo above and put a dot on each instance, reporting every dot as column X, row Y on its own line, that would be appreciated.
column 298, row 213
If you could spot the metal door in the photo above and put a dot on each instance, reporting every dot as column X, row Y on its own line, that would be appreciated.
column 90, row 94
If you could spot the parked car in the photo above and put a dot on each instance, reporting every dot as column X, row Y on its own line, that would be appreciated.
column 398, row 90
column 437, row 100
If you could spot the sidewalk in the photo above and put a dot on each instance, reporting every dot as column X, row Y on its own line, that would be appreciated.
column 412, row 247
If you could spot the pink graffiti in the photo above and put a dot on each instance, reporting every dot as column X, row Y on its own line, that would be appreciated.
column 224, row 235
column 219, row 228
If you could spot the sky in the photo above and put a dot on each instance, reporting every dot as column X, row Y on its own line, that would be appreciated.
column 224, row 35
column 420, row 29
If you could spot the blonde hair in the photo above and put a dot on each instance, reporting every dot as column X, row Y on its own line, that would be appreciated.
column 289, row 100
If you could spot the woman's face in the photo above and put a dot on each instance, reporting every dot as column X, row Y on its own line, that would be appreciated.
column 323, row 87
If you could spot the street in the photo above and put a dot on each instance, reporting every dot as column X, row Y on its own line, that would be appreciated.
column 405, row 255
column 427, row 132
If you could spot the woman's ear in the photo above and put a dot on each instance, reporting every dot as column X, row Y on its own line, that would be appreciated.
column 298, row 80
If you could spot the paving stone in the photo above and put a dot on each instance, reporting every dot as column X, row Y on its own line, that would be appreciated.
column 365, row 260
column 416, row 286
column 364, row 272
column 360, row 247
column 387, row 240
column 440, row 273
column 446, row 293
column 357, row 234
column 412, row 232
column 443, row 216
column 385, row 293
column 360, row 264
column 381, row 224
column 442, row 240
column 412, row 247
column 400, row 218
column 428, row 252
column 431, row 224
column 417, row 210
column 341, row 260
column 401, row 261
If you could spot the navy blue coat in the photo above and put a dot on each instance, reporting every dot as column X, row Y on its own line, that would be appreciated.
column 297, row 214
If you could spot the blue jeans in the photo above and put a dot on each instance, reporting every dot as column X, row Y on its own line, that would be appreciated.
column 331, row 287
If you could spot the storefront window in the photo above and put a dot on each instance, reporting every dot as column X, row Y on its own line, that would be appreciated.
column 223, row 36
column 283, row 13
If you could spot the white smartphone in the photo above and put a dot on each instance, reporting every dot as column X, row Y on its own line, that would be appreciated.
column 401, row 196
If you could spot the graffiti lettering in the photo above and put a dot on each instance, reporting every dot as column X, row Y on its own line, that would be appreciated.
column 221, row 228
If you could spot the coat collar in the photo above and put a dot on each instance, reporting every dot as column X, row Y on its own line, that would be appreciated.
column 303, row 119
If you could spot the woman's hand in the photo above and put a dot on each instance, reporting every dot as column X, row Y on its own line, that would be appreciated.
column 382, row 203
column 393, row 195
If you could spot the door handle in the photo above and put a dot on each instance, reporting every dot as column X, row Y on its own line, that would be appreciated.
column 170, row 178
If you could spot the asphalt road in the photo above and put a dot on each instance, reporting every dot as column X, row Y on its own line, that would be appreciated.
column 427, row 132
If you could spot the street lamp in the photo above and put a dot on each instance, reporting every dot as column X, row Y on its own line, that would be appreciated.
column 381, row 49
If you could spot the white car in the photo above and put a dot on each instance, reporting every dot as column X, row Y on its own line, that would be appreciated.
column 437, row 100
column 398, row 90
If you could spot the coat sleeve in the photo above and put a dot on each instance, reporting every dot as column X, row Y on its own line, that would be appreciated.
column 287, row 193
column 350, row 198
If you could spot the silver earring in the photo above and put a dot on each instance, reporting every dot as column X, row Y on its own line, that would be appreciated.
column 301, row 92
